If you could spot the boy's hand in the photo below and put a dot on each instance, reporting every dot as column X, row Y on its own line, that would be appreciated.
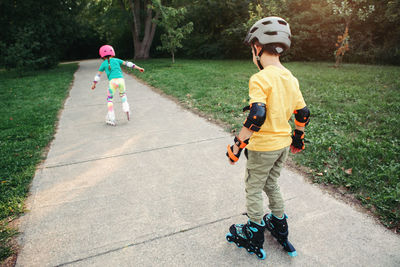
column 297, row 141
column 234, row 151
column 93, row 86
column 233, row 154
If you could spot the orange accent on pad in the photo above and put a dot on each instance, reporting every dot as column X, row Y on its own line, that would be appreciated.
column 231, row 155
column 242, row 145
column 301, row 124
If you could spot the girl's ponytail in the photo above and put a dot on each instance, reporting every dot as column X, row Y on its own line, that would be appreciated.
column 109, row 66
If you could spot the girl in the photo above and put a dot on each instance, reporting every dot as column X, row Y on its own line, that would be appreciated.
column 112, row 67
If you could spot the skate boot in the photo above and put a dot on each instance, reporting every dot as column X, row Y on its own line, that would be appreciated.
column 250, row 236
column 125, row 108
column 110, row 118
column 280, row 230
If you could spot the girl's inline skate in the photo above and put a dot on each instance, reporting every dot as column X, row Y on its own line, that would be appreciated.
column 125, row 108
column 110, row 118
column 250, row 236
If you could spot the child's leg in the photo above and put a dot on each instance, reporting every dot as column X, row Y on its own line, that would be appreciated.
column 110, row 106
column 272, row 188
column 110, row 95
column 259, row 165
column 122, row 94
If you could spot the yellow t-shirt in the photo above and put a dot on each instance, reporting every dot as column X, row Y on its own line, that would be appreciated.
column 279, row 90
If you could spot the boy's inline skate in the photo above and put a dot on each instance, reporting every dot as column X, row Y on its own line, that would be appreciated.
column 250, row 236
column 280, row 230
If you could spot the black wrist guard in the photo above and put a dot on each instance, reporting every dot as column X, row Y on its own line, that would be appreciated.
column 298, row 139
column 241, row 144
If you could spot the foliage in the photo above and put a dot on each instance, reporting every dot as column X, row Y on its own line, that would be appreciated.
column 348, row 10
column 73, row 29
column 6, row 234
column 353, row 141
column 35, row 36
column 170, row 21
column 342, row 45
column 26, row 127
column 210, row 21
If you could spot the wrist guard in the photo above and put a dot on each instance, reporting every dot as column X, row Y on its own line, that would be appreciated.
column 96, row 78
column 298, row 139
column 239, row 143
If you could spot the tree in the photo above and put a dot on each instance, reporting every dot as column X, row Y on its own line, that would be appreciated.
column 144, row 15
column 348, row 10
column 171, row 39
column 35, row 36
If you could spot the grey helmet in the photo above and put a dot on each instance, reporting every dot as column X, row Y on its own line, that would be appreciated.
column 273, row 31
column 270, row 30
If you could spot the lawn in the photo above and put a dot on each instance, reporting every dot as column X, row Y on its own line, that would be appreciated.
column 352, row 141
column 30, row 105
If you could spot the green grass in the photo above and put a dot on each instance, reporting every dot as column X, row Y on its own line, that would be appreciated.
column 354, row 119
column 30, row 105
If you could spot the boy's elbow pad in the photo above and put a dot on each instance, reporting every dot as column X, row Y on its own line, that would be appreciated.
column 256, row 117
column 130, row 64
column 302, row 117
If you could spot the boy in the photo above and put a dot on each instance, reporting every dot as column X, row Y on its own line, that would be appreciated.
column 274, row 95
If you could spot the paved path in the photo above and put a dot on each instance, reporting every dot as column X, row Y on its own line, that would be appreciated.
column 158, row 191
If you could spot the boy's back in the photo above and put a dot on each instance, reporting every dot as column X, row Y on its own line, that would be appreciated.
column 279, row 90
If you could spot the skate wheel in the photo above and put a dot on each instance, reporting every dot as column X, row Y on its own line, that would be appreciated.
column 249, row 251
column 238, row 244
column 229, row 237
column 261, row 254
column 293, row 253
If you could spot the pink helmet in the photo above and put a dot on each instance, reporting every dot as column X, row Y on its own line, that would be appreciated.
column 106, row 50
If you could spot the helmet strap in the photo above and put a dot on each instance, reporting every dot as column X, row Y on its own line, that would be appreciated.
column 258, row 57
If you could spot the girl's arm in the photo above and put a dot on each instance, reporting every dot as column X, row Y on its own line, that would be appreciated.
column 132, row 65
column 96, row 79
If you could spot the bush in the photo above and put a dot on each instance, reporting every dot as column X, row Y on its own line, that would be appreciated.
column 27, row 53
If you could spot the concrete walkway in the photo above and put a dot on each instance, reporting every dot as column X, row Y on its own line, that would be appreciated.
column 158, row 191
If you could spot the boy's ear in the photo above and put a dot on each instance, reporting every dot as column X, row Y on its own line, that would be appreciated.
column 258, row 48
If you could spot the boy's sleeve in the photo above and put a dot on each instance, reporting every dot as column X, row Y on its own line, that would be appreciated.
column 300, row 100
column 256, row 91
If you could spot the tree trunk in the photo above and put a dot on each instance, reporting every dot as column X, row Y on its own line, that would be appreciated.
column 173, row 57
column 142, row 47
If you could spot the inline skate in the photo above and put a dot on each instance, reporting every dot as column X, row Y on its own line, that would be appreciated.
column 125, row 108
column 280, row 230
column 110, row 118
column 250, row 236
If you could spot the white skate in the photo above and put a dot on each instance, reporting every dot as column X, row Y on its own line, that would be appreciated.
column 110, row 118
column 125, row 108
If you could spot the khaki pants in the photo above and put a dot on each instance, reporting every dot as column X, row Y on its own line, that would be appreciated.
column 262, row 172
